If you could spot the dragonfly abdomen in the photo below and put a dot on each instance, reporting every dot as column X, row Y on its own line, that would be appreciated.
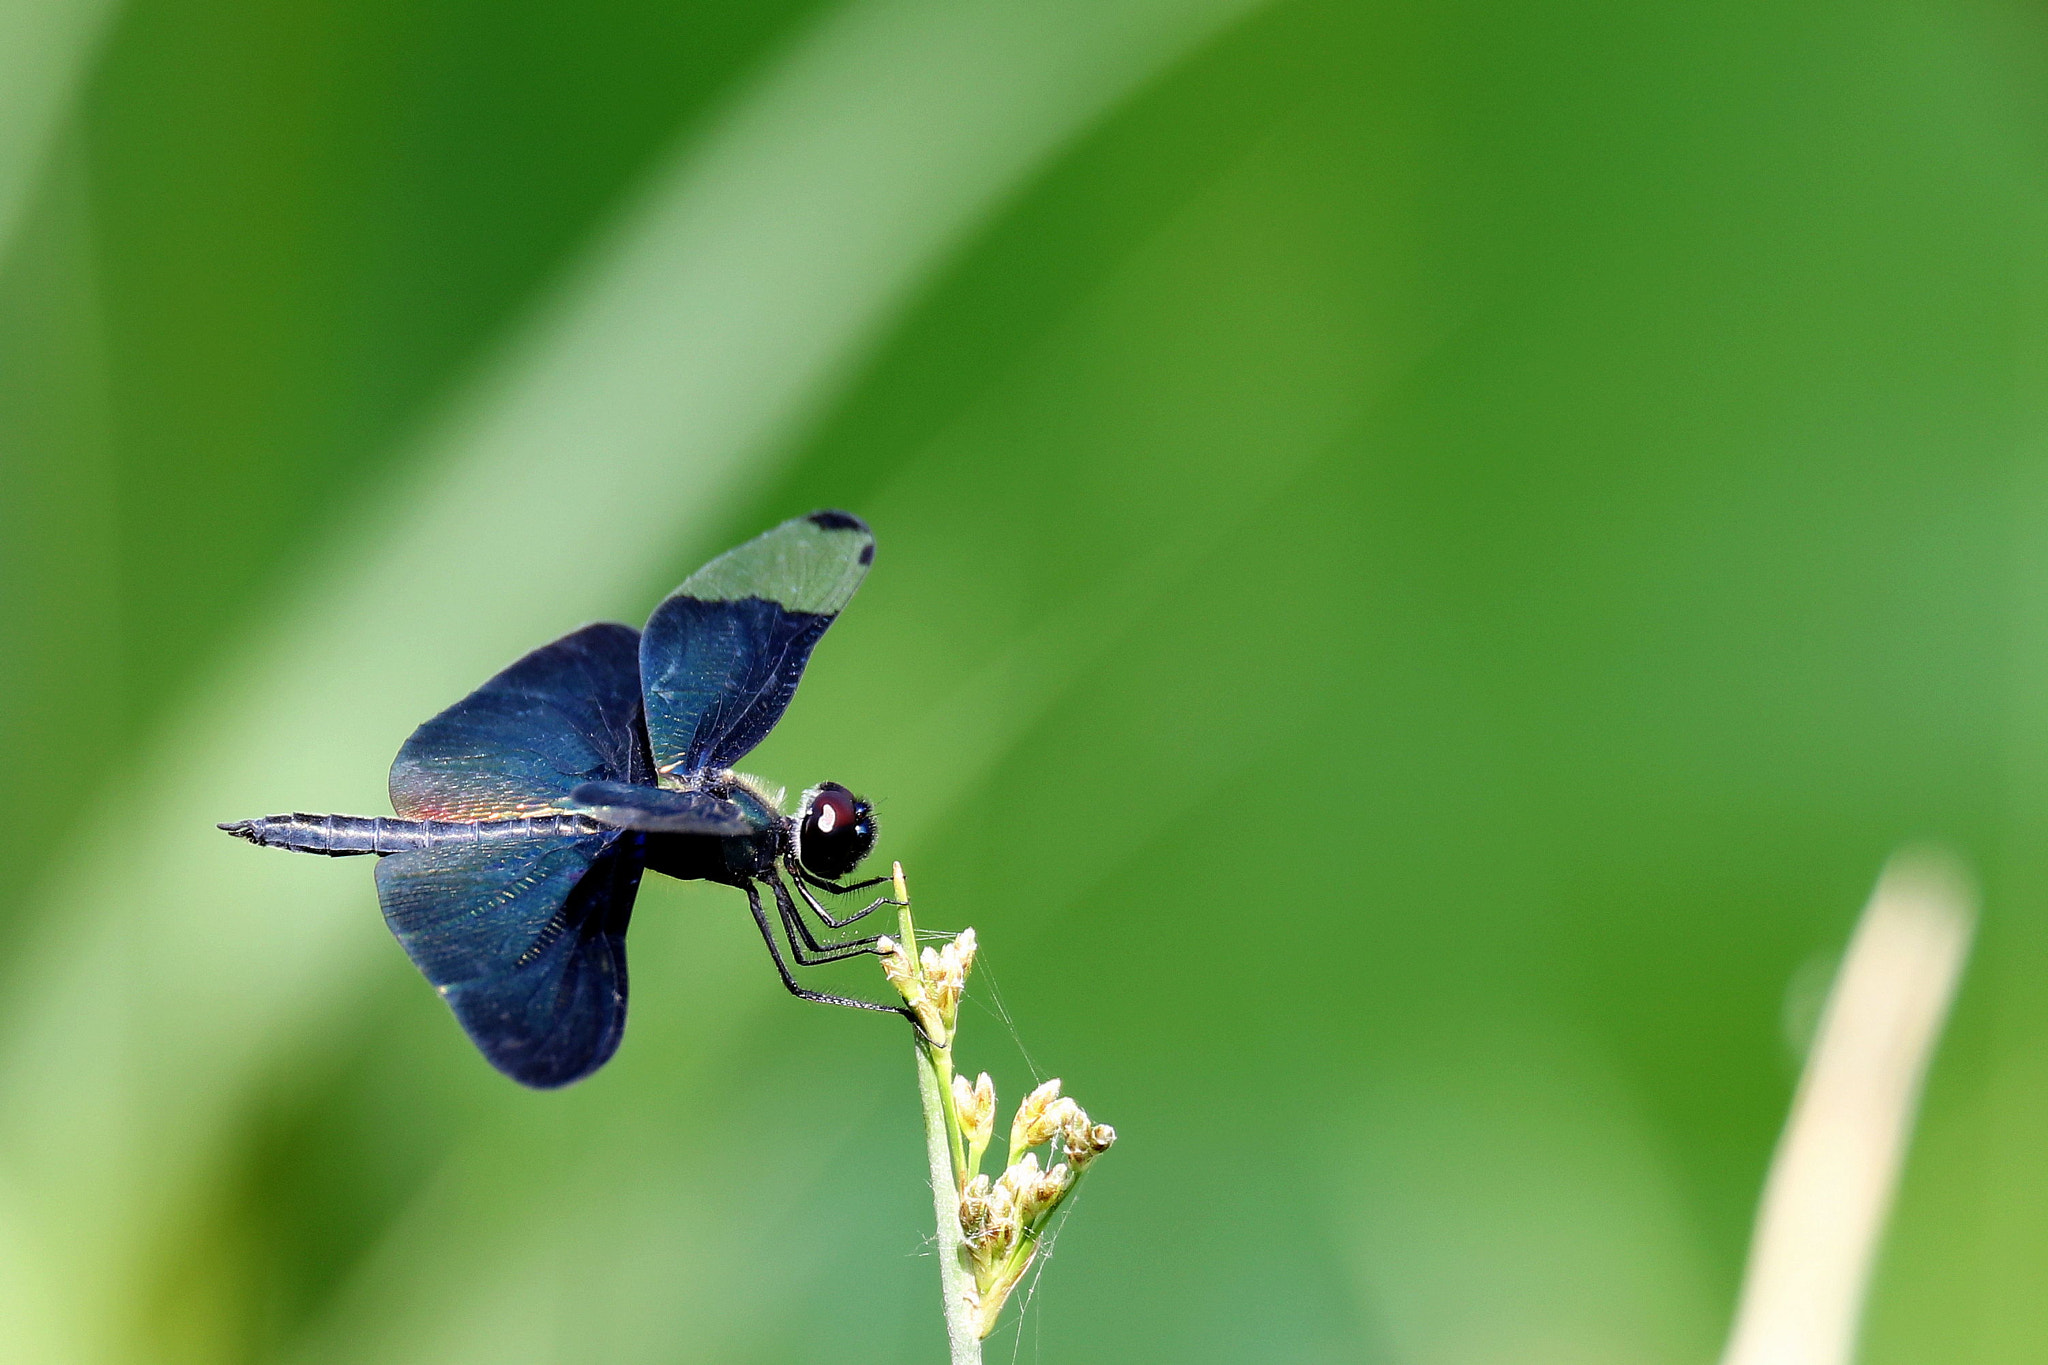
column 343, row 836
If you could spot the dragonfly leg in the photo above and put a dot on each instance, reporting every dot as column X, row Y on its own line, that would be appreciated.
column 789, row 981
column 826, row 915
column 802, row 939
column 826, row 884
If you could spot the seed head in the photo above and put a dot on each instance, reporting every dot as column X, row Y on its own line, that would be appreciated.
column 1037, row 1191
column 1083, row 1141
column 976, row 1213
column 1002, row 1215
column 963, row 1103
column 976, row 1105
column 1057, row 1116
column 1032, row 1124
column 1053, row 1185
column 912, row 985
column 945, row 975
column 1021, row 1181
column 901, row 971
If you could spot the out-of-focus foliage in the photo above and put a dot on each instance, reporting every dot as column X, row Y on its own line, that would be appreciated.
column 1428, row 554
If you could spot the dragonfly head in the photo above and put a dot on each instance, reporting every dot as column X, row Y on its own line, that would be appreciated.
column 834, row 831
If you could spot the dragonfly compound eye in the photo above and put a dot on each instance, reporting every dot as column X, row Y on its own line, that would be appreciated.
column 838, row 830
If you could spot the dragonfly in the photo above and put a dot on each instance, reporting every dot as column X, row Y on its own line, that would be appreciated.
column 528, row 811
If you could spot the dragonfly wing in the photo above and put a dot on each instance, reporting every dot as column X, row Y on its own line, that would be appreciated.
column 567, row 713
column 526, row 940
column 722, row 656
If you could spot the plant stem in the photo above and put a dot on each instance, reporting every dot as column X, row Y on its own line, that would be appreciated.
column 956, row 1281
column 942, row 1147
column 942, row 1064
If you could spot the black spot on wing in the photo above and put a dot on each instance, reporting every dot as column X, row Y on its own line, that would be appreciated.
column 722, row 655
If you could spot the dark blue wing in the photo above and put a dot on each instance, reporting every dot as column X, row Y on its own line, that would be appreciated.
column 657, row 810
column 567, row 713
column 526, row 940
column 721, row 657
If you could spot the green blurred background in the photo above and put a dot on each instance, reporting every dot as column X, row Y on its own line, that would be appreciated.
column 1428, row 555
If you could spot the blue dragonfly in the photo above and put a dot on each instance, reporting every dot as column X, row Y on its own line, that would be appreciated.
column 528, row 810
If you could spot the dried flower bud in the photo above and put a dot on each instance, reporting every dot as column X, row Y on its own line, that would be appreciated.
column 1003, row 1222
column 1024, row 1197
column 1083, row 1141
column 902, row 972
column 944, row 989
column 932, row 1025
column 976, row 1105
column 1058, row 1116
column 945, row 975
column 897, row 966
column 1021, row 1183
column 1039, row 1191
column 1030, row 1127
column 985, row 1103
column 1054, row 1184
column 976, row 1215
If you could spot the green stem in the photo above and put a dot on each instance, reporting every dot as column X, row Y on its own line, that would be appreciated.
column 942, row 1148
column 942, row 1064
column 956, row 1280
column 941, row 1058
